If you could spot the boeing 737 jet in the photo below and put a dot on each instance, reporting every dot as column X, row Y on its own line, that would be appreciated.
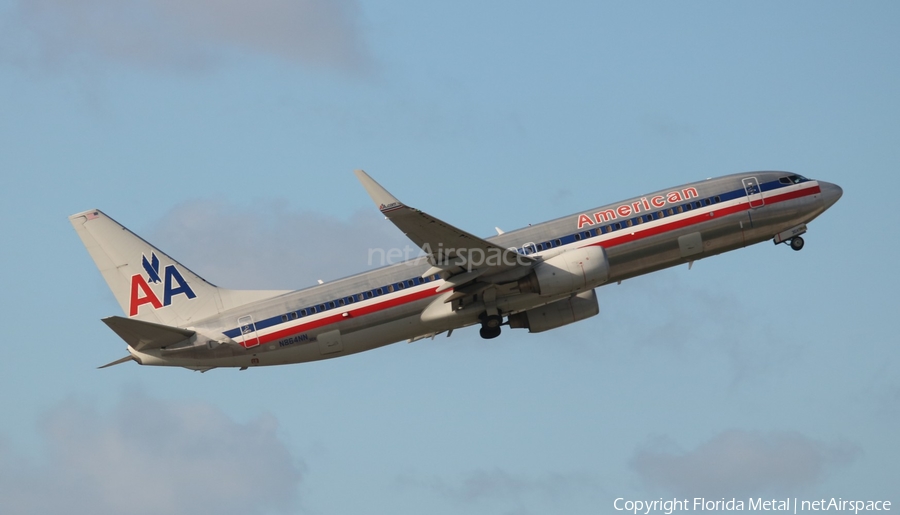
column 537, row 278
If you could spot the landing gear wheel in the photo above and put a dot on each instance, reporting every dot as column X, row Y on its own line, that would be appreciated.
column 490, row 326
column 796, row 243
column 492, row 321
column 490, row 332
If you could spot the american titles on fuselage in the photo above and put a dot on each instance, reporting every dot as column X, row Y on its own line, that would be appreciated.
column 638, row 206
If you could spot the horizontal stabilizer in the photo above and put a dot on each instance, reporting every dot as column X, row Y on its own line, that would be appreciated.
column 141, row 335
column 126, row 359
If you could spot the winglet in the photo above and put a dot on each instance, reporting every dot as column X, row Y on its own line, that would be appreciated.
column 384, row 200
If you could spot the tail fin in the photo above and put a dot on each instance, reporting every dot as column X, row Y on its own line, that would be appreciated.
column 147, row 283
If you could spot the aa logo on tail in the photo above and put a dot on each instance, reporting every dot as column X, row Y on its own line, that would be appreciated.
column 173, row 284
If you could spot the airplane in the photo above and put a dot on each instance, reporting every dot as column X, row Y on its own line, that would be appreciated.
column 537, row 278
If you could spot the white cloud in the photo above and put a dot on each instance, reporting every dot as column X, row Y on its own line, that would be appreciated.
column 185, row 34
column 148, row 457
column 741, row 463
column 273, row 247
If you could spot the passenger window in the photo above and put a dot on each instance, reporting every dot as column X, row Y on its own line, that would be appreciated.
column 627, row 223
column 312, row 310
column 294, row 315
column 639, row 220
column 679, row 209
column 340, row 302
column 717, row 199
column 558, row 242
column 660, row 214
column 284, row 318
column 687, row 207
column 577, row 237
column 706, row 201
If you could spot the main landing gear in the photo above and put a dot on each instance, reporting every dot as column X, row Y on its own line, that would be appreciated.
column 490, row 326
column 796, row 243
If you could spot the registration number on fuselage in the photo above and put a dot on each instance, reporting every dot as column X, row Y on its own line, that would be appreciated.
column 291, row 340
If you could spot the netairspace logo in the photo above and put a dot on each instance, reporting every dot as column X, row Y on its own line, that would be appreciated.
column 463, row 257
column 786, row 505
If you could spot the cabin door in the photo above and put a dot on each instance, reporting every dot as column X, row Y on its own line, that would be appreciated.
column 248, row 332
column 754, row 193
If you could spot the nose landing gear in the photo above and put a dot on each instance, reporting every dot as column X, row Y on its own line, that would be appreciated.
column 791, row 237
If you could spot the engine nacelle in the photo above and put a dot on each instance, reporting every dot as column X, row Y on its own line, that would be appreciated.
column 557, row 314
column 568, row 272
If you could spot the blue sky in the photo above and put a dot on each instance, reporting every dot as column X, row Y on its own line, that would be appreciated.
column 226, row 134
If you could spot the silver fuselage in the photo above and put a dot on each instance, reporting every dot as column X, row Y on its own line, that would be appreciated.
column 640, row 235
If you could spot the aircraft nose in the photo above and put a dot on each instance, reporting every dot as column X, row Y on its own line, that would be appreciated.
column 830, row 193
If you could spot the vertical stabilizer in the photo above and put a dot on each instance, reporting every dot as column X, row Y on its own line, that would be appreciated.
column 148, row 284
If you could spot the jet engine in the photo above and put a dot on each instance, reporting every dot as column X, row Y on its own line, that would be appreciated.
column 557, row 314
column 567, row 272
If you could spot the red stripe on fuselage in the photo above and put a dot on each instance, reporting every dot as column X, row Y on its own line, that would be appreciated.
column 700, row 218
column 333, row 319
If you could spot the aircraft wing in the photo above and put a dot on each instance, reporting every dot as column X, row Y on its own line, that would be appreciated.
column 464, row 256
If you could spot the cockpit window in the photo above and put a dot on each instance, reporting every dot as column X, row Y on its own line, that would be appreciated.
column 793, row 179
